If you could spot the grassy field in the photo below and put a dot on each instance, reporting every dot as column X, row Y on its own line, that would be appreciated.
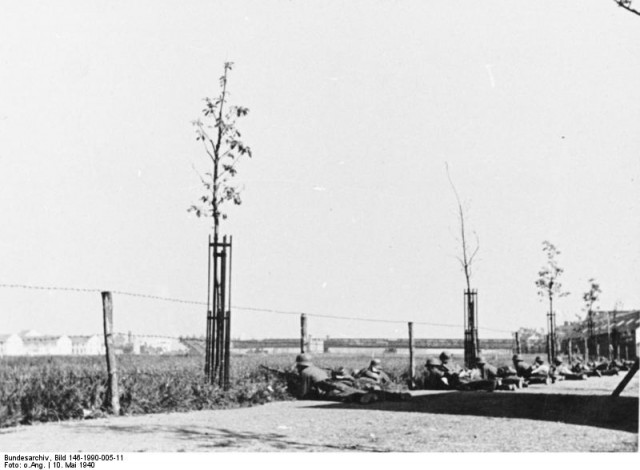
column 42, row 389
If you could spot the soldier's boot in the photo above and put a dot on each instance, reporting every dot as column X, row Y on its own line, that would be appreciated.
column 368, row 398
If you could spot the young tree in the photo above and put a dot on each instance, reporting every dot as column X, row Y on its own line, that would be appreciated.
column 550, row 287
column 592, row 295
column 224, row 146
column 468, row 252
column 590, row 298
column 471, row 346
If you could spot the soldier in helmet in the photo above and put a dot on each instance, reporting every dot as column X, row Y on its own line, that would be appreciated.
column 540, row 372
column 433, row 376
column 452, row 371
column 561, row 370
column 374, row 373
column 311, row 376
column 487, row 371
column 316, row 383
column 523, row 369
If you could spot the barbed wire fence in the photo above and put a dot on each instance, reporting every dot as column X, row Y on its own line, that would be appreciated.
column 297, row 313
column 187, row 341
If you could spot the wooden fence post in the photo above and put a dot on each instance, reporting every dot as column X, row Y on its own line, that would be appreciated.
column 412, row 359
column 112, row 373
column 517, row 343
column 303, row 333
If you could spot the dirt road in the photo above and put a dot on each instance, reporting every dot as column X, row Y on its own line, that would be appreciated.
column 568, row 416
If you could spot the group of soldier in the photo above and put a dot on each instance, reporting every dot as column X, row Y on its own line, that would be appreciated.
column 366, row 385
column 371, row 383
column 444, row 374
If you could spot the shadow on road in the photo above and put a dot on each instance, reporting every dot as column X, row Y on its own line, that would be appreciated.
column 617, row 413
column 212, row 438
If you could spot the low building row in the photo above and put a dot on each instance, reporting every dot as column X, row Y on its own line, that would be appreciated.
column 50, row 345
column 32, row 343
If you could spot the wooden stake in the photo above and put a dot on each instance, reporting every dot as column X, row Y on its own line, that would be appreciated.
column 303, row 333
column 626, row 380
column 227, row 350
column 112, row 374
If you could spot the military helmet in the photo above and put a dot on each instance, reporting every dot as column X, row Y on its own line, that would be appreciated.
column 303, row 359
column 538, row 360
column 375, row 362
column 557, row 361
column 444, row 355
column 480, row 360
column 431, row 362
column 517, row 358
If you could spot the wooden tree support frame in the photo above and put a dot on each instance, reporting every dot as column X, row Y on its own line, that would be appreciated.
column 218, row 338
column 471, row 345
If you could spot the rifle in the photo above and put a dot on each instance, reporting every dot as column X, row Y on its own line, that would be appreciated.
column 291, row 378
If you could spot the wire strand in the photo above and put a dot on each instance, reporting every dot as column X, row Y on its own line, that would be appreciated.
column 236, row 307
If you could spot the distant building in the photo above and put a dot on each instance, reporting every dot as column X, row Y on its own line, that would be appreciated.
column 88, row 345
column 160, row 345
column 612, row 332
column 363, row 346
column 11, row 345
column 47, row 345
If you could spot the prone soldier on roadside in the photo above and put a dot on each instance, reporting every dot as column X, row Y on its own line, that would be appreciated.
column 606, row 367
column 453, row 373
column 581, row 367
column 526, row 370
column 510, row 378
column 562, row 371
column 522, row 368
column 374, row 374
column 433, row 377
column 539, row 373
column 483, row 377
column 316, row 383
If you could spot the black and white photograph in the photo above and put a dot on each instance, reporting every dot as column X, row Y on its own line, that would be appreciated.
column 242, row 231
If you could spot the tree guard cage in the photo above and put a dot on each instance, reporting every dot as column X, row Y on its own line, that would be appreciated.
column 218, row 340
column 552, row 341
column 471, row 346
column 592, row 336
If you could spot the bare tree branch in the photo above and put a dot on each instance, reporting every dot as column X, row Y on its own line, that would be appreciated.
column 626, row 4
column 466, row 260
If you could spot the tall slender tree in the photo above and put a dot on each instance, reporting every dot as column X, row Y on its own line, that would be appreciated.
column 550, row 288
column 468, row 250
column 468, row 254
column 590, row 298
column 223, row 144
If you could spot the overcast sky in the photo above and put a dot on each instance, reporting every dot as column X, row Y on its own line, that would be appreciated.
column 354, row 109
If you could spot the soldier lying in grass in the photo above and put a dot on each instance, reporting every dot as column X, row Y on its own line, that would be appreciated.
column 374, row 374
column 562, row 371
column 447, row 375
column 538, row 373
column 580, row 367
column 312, row 382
